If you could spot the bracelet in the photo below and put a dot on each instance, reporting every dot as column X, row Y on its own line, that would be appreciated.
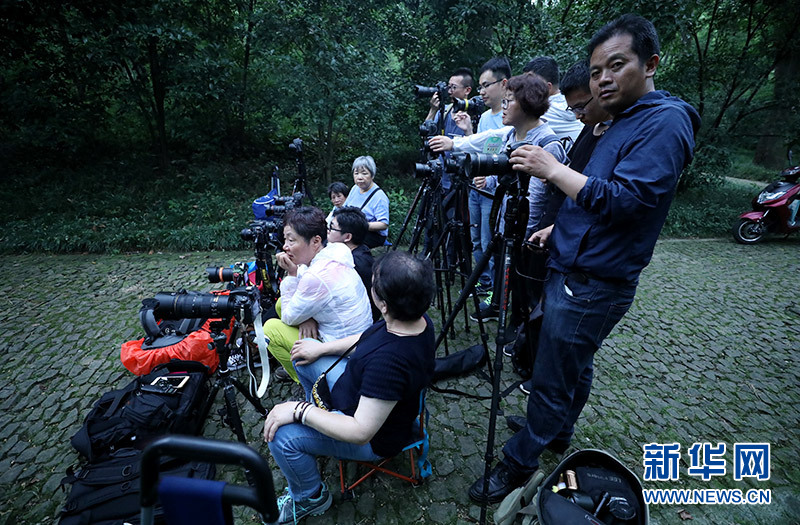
column 305, row 413
column 295, row 414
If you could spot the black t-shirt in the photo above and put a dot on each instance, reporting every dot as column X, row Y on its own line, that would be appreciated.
column 393, row 368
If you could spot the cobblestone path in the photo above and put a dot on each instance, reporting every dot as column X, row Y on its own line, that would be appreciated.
column 708, row 353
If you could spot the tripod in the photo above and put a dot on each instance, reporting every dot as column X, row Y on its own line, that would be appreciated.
column 226, row 381
column 507, row 244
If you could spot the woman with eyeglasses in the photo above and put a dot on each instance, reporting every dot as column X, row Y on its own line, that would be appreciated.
column 322, row 296
column 370, row 199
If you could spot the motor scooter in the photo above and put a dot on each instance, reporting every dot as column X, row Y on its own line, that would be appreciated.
column 774, row 209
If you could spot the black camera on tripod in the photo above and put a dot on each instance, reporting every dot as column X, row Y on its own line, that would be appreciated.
column 473, row 106
column 485, row 164
column 241, row 303
column 438, row 166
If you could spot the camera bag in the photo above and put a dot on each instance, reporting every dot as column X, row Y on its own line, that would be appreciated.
column 135, row 414
column 108, row 492
column 184, row 339
column 607, row 493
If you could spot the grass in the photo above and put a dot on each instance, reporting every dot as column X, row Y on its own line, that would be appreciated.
column 126, row 207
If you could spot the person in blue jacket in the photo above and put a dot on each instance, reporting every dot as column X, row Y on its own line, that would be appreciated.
column 604, row 235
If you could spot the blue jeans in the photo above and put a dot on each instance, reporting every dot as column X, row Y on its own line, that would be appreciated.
column 578, row 315
column 480, row 230
column 296, row 446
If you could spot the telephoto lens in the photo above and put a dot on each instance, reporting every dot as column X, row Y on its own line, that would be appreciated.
column 220, row 274
column 473, row 106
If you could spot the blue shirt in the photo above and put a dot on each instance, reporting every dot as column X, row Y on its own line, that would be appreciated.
column 451, row 129
column 376, row 210
column 611, row 229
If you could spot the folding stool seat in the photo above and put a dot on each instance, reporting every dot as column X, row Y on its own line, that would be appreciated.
column 417, row 452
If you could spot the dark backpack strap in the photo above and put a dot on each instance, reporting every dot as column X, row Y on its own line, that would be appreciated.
column 376, row 190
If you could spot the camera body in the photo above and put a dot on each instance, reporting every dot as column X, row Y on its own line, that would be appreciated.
column 484, row 164
column 473, row 106
column 428, row 92
column 438, row 166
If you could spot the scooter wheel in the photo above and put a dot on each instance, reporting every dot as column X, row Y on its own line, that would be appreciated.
column 748, row 231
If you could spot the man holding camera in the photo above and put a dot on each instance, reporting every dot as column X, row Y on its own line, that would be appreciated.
column 604, row 235
column 492, row 88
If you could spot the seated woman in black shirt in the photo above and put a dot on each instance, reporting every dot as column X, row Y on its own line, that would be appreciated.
column 375, row 392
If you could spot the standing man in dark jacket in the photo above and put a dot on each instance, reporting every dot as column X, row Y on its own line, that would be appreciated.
column 604, row 235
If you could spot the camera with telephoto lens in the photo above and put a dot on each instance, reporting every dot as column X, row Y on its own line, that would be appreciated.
column 484, row 164
column 453, row 164
column 241, row 303
column 427, row 92
column 473, row 106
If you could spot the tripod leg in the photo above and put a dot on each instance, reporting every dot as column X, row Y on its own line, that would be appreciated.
column 410, row 213
column 498, row 366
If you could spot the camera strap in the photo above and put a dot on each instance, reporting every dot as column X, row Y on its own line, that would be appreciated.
column 376, row 190
column 262, row 352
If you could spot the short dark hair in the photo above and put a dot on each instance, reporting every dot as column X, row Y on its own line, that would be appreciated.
column 466, row 73
column 644, row 39
column 338, row 187
column 499, row 67
column 545, row 67
column 405, row 283
column 576, row 78
column 307, row 221
column 353, row 221
column 531, row 94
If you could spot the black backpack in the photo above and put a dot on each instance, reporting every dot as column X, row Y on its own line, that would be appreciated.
column 107, row 493
column 146, row 408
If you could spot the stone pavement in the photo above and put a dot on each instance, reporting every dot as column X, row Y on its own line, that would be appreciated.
column 707, row 354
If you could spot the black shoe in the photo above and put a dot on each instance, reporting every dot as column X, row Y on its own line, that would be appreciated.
column 502, row 480
column 487, row 312
column 517, row 423
column 280, row 375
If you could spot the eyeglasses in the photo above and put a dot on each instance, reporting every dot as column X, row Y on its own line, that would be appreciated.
column 580, row 109
column 507, row 102
column 486, row 86
column 453, row 87
column 331, row 228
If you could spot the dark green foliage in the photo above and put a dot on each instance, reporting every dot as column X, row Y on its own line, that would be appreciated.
column 187, row 83
column 708, row 211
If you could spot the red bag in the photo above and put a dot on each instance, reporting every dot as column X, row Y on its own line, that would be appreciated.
column 193, row 346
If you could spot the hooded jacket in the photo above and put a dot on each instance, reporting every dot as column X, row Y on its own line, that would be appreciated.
column 329, row 290
column 611, row 229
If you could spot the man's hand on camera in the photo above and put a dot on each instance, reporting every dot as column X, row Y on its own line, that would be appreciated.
column 464, row 122
column 435, row 102
column 539, row 238
column 479, row 182
column 440, row 143
column 305, row 351
column 533, row 160
column 286, row 263
column 541, row 164
column 308, row 329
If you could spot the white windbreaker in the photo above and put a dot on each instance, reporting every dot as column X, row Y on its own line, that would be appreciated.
column 330, row 291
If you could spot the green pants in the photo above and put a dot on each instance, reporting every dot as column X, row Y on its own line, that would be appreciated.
column 281, row 337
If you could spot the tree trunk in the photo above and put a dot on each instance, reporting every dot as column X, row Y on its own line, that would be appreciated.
column 159, row 93
column 782, row 119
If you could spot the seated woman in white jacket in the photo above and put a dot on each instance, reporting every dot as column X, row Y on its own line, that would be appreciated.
column 322, row 295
